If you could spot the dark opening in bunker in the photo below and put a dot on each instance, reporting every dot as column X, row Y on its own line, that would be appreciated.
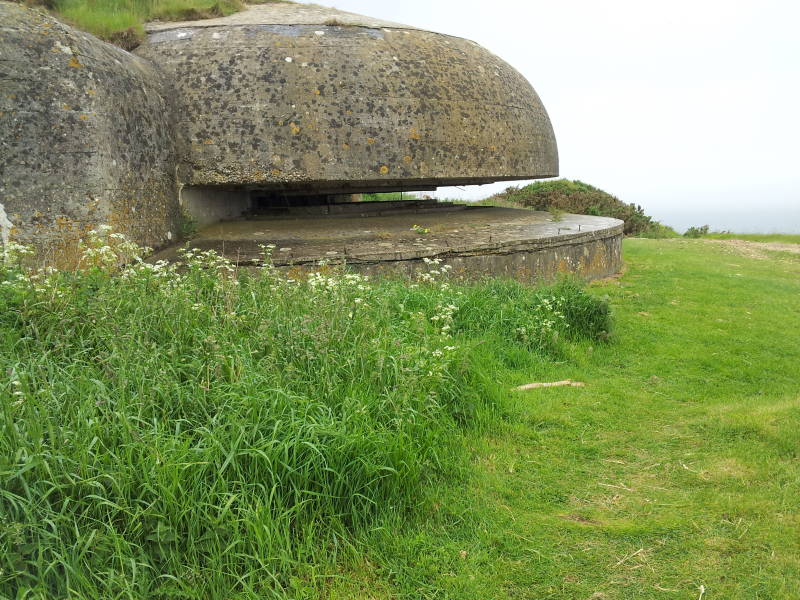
column 206, row 205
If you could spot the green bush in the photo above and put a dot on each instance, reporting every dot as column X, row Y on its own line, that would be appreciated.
column 201, row 432
column 696, row 232
column 581, row 198
column 387, row 197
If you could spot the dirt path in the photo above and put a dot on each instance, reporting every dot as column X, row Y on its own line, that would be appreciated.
column 757, row 249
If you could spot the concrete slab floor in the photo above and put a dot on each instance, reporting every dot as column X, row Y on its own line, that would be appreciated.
column 470, row 231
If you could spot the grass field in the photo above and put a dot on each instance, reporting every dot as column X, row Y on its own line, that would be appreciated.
column 674, row 473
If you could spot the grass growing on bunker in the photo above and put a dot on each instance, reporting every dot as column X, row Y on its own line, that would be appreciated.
column 208, row 433
column 121, row 22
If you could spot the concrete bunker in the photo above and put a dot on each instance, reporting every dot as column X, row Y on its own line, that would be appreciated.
column 300, row 105
column 260, row 124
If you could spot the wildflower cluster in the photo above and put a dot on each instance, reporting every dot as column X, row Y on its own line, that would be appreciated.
column 108, row 251
column 13, row 254
column 545, row 320
column 12, row 274
column 337, row 281
column 159, row 271
column 208, row 260
column 443, row 318
column 436, row 271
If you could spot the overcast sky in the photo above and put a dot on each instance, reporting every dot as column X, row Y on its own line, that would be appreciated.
column 690, row 108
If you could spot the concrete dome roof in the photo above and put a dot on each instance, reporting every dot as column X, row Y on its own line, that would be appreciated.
column 300, row 97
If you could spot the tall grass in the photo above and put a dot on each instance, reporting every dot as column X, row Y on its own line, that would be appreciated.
column 203, row 432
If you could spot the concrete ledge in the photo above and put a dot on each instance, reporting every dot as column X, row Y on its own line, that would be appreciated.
column 476, row 241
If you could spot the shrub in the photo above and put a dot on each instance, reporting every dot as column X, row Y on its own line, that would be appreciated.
column 577, row 197
column 696, row 232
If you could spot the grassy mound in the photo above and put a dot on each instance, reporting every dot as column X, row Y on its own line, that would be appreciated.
column 563, row 195
column 208, row 433
column 121, row 22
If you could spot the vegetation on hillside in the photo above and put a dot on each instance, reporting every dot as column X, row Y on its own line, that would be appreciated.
column 564, row 195
column 121, row 22
column 203, row 432
column 704, row 231
column 387, row 197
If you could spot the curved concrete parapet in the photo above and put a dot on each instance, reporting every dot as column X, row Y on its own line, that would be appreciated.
column 477, row 242
column 85, row 138
column 301, row 97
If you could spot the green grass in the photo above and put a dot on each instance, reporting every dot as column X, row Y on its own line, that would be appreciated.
column 211, row 434
column 122, row 21
column 387, row 197
column 674, row 470
column 261, row 445
column 783, row 238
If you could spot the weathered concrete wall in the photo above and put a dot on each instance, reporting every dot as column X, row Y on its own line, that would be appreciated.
column 85, row 138
column 587, row 259
column 274, row 97
column 277, row 101
column 477, row 241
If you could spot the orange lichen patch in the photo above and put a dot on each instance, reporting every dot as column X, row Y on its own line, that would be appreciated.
column 597, row 264
column 492, row 147
column 83, row 117
column 317, row 92
column 91, row 92
column 294, row 128
column 346, row 146
column 415, row 135
column 276, row 172
column 407, row 159
column 370, row 141
column 384, row 169
column 73, row 63
column 66, row 106
column 208, row 142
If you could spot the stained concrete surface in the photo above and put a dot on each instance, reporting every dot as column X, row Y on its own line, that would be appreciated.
column 279, row 101
column 85, row 138
column 292, row 96
column 476, row 241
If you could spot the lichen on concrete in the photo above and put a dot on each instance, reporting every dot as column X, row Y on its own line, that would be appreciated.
column 475, row 241
column 281, row 98
column 274, row 98
column 85, row 137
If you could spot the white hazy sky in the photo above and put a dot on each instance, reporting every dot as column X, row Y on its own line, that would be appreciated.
column 690, row 108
